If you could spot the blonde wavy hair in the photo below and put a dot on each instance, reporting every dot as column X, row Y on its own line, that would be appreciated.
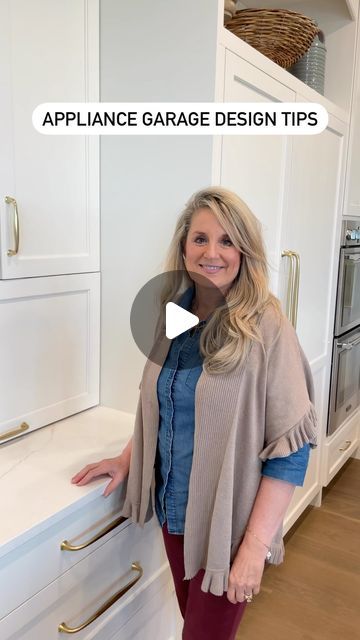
column 227, row 336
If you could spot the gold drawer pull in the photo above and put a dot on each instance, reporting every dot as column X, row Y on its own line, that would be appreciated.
column 63, row 627
column 347, row 445
column 10, row 200
column 66, row 546
column 14, row 432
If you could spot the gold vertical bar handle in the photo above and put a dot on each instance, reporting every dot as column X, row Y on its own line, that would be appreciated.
column 290, row 287
column 10, row 200
column 296, row 288
column 64, row 628
column 15, row 432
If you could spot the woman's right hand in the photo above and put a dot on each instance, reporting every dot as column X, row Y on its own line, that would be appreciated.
column 117, row 468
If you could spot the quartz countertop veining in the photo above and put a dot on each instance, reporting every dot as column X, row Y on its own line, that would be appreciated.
column 36, row 470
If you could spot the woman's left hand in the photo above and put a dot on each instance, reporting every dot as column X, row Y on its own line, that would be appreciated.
column 246, row 571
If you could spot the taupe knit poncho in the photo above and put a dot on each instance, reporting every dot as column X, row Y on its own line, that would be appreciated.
column 264, row 409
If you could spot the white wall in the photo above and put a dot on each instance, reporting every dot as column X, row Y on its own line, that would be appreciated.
column 149, row 51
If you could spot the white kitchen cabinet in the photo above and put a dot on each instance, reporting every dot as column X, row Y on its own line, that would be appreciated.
column 340, row 446
column 88, row 526
column 132, row 558
column 352, row 195
column 309, row 230
column 49, row 335
column 42, row 584
column 315, row 189
column 298, row 203
column 49, row 185
column 261, row 159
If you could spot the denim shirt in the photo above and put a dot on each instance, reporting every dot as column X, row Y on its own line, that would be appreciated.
column 176, row 396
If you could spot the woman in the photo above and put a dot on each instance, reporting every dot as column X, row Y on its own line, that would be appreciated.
column 223, row 428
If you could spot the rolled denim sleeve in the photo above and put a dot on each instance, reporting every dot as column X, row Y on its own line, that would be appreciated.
column 290, row 468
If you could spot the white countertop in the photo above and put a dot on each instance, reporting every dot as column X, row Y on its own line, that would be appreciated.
column 36, row 469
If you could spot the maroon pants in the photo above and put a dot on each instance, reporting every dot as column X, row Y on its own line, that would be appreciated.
column 206, row 617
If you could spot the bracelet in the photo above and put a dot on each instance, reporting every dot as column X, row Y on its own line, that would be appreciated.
column 268, row 555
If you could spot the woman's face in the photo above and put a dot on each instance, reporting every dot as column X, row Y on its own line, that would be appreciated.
column 210, row 252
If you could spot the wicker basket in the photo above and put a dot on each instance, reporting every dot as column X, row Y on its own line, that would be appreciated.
column 281, row 35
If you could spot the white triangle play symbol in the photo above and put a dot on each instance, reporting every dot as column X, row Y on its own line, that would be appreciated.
column 178, row 320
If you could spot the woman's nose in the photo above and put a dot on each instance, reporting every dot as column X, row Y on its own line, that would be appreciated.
column 211, row 250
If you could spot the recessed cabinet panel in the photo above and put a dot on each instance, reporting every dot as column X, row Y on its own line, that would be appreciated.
column 49, row 336
column 48, row 53
column 310, row 229
column 258, row 160
column 352, row 197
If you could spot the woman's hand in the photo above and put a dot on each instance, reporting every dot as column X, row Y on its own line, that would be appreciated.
column 246, row 570
column 117, row 468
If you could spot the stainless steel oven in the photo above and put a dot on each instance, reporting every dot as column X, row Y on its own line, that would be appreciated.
column 345, row 379
column 345, row 367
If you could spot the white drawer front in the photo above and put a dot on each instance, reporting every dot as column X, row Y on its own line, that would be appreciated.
column 33, row 565
column 158, row 619
column 49, row 345
column 341, row 447
column 79, row 592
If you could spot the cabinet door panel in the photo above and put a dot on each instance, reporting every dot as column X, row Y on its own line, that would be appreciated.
column 48, row 53
column 255, row 167
column 49, row 333
column 310, row 228
column 352, row 196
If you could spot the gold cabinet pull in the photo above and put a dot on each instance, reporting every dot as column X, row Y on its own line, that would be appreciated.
column 10, row 200
column 66, row 546
column 14, row 432
column 347, row 445
column 292, row 296
column 296, row 287
column 64, row 628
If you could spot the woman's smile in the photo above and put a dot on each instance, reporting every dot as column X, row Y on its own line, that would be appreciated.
column 211, row 269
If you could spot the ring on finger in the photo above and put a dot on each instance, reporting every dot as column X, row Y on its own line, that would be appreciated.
column 248, row 597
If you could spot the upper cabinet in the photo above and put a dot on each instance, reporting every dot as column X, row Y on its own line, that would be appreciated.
column 49, row 185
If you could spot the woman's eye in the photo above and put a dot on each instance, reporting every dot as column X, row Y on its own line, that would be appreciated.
column 227, row 242
column 199, row 240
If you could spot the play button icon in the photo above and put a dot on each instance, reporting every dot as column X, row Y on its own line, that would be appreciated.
column 160, row 314
column 178, row 320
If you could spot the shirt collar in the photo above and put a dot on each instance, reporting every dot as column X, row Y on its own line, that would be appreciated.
column 186, row 300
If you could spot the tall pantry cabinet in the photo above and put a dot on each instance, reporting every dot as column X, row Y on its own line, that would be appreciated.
column 49, row 217
column 298, row 205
